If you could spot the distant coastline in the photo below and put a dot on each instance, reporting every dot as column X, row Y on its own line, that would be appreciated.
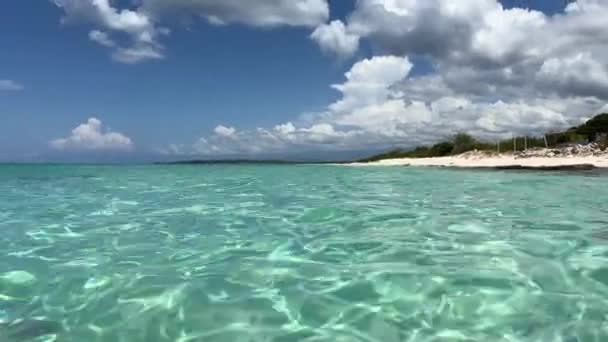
column 247, row 162
column 583, row 147
column 594, row 131
column 580, row 148
column 537, row 159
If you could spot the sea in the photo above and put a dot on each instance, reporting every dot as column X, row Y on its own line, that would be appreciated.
column 280, row 253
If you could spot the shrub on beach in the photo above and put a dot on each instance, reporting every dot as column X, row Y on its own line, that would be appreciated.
column 463, row 143
column 594, row 130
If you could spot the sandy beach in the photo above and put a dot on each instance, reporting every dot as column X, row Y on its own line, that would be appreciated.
column 493, row 162
column 539, row 160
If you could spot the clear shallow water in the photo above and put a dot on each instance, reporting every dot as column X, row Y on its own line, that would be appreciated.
column 301, row 253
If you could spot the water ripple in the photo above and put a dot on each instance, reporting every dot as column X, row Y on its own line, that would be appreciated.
column 301, row 253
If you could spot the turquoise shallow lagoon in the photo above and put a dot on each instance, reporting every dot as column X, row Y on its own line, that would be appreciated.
column 301, row 253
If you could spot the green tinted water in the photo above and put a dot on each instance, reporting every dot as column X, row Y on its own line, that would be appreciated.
column 301, row 253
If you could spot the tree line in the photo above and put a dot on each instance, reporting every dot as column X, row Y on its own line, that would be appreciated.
column 594, row 130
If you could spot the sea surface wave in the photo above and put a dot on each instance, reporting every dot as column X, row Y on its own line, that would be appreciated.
column 301, row 253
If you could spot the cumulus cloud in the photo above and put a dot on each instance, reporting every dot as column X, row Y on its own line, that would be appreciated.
column 285, row 129
column 101, row 38
column 462, row 31
column 334, row 38
column 491, row 71
column 479, row 47
column 224, row 131
column 10, row 85
column 138, row 26
column 382, row 106
column 380, row 99
column 369, row 83
column 265, row 13
column 91, row 136
column 280, row 139
column 141, row 24
column 580, row 74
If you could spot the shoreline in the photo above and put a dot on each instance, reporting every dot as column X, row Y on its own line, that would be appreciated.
column 500, row 162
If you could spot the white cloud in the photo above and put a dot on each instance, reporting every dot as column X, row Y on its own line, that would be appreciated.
column 141, row 23
column 136, row 24
column 225, row 131
column 379, row 99
column 285, row 129
column 10, row 85
column 382, row 107
column 260, row 13
column 480, row 48
column 334, row 38
column 441, row 29
column 136, row 54
column 101, row 38
column 488, row 70
column 577, row 74
column 92, row 136
column 369, row 82
column 284, row 137
column 120, row 20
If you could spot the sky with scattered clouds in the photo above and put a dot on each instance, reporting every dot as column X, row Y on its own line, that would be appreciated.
column 155, row 79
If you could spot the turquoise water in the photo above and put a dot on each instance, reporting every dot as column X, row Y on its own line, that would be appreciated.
column 301, row 253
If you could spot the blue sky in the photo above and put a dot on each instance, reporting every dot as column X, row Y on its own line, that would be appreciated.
column 250, row 76
column 210, row 75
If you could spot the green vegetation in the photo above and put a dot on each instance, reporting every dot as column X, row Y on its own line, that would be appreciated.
column 463, row 143
column 595, row 130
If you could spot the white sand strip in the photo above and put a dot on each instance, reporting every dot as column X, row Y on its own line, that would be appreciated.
column 498, row 161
